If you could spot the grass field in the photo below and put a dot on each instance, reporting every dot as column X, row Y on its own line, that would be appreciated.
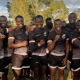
column 67, row 74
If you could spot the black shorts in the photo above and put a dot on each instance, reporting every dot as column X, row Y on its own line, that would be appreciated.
column 56, row 61
column 7, row 62
column 38, row 61
column 75, row 65
column 19, row 61
column 2, row 66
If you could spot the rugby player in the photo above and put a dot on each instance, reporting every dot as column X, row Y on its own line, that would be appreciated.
column 5, row 27
column 75, row 40
column 38, row 45
column 18, row 40
column 58, row 40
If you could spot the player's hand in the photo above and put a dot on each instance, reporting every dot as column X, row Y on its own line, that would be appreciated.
column 64, row 62
column 27, row 28
column 24, row 43
column 2, row 36
column 42, row 42
column 57, row 37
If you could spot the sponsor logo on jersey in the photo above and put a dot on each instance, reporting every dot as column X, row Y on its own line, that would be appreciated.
column 38, row 35
column 67, row 28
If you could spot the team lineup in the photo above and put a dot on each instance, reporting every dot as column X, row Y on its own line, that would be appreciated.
column 43, row 50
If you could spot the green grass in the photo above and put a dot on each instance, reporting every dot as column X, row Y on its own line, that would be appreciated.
column 67, row 74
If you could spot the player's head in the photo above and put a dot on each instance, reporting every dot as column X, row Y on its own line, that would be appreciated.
column 58, row 25
column 49, row 23
column 78, row 26
column 19, row 21
column 72, row 18
column 3, row 21
column 48, row 20
column 39, row 21
column 63, row 23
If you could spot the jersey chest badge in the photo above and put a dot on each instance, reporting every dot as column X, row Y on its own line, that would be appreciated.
column 67, row 29
column 45, row 33
column 63, row 36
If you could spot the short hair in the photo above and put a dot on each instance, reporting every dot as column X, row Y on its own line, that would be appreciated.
column 47, row 19
column 39, row 16
column 78, row 21
column 3, row 17
column 72, row 14
column 57, row 20
column 19, row 16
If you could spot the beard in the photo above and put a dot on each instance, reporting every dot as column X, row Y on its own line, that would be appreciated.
column 50, row 25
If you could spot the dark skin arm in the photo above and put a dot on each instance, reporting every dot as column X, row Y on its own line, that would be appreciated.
column 11, row 44
column 53, row 29
column 34, row 46
column 52, row 44
column 32, row 27
column 67, row 52
column 76, row 42
column 10, row 29
column 27, row 28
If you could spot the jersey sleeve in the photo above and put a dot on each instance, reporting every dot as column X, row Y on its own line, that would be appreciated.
column 32, row 44
column 72, row 37
column 5, row 30
column 50, row 38
column 31, row 37
column 67, row 35
column 11, row 35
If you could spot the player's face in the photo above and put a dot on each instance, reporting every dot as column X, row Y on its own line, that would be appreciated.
column 72, row 18
column 3, row 21
column 57, row 25
column 19, row 22
column 78, row 27
column 39, row 23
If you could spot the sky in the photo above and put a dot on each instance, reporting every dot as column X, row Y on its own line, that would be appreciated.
column 71, row 4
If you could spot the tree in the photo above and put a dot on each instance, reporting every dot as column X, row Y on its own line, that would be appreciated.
column 35, row 8
column 56, row 10
column 20, row 7
column 30, row 8
column 77, row 13
column 62, row 11
column 10, row 23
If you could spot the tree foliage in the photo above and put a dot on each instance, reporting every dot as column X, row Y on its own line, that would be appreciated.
column 77, row 13
column 30, row 8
